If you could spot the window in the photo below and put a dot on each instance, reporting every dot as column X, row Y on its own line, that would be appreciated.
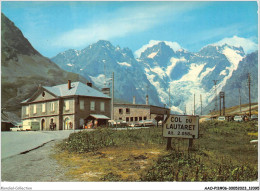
column 120, row 118
column 145, row 118
column 92, row 105
column 67, row 105
column 102, row 106
column 34, row 108
column 127, row 119
column 120, row 111
column 44, row 107
column 27, row 110
column 136, row 118
column 140, row 118
column 131, row 119
column 81, row 104
column 52, row 106
column 127, row 110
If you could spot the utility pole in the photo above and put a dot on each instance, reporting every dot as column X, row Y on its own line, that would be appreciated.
column 194, row 105
column 169, row 96
column 221, row 97
column 249, row 83
column 200, row 104
column 105, row 74
column 239, row 99
column 185, row 110
column 112, row 100
column 216, row 96
column 219, row 104
column 147, row 87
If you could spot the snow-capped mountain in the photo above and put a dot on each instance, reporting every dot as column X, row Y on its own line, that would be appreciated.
column 163, row 69
column 100, row 59
column 185, row 74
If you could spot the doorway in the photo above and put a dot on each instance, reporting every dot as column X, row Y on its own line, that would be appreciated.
column 43, row 124
column 67, row 123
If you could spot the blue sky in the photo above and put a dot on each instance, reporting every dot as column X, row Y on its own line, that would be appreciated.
column 53, row 27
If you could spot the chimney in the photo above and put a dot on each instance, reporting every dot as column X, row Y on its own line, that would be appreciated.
column 69, row 84
column 106, row 91
column 147, row 100
column 133, row 99
column 89, row 84
column 39, row 87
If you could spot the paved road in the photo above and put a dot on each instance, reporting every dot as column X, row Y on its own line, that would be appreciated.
column 13, row 143
column 34, row 166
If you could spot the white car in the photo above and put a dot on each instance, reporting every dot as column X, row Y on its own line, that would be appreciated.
column 146, row 123
column 16, row 128
column 254, row 117
column 221, row 118
column 137, row 124
column 238, row 118
column 160, row 123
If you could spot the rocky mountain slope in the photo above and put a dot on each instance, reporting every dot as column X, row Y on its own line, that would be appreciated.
column 166, row 71
column 100, row 59
column 239, row 80
column 23, row 68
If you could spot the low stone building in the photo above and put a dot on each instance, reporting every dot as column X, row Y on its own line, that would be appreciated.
column 66, row 106
column 8, row 120
column 138, row 112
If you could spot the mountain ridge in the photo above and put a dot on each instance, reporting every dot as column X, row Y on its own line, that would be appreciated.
column 24, row 68
column 163, row 67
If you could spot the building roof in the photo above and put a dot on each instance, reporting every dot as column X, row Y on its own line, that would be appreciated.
column 138, row 105
column 77, row 88
column 98, row 116
column 8, row 117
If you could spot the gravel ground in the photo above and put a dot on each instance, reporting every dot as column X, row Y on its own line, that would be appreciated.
column 34, row 166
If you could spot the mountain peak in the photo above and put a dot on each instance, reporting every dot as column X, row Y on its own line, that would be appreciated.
column 215, row 49
column 173, row 45
column 248, row 44
column 13, row 41
column 104, row 43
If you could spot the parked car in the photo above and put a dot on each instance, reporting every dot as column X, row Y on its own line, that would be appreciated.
column 31, row 126
column 221, row 118
column 238, row 118
column 113, row 123
column 146, row 123
column 17, row 128
column 160, row 123
column 254, row 117
column 136, row 124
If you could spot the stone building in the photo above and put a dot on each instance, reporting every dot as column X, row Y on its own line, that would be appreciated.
column 66, row 106
column 138, row 112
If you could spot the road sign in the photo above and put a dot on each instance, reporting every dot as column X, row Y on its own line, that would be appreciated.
column 181, row 126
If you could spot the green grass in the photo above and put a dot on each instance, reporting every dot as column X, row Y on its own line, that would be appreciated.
column 223, row 152
column 85, row 141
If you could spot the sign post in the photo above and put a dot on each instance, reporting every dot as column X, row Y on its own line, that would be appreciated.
column 181, row 126
column 169, row 143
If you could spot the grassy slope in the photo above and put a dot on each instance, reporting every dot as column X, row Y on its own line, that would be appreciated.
column 235, row 110
column 222, row 153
